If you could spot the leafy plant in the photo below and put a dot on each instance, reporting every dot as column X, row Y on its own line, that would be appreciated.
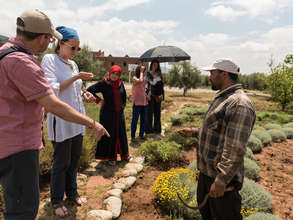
column 185, row 76
column 277, row 135
column 254, row 196
column 288, row 131
column 290, row 125
column 254, row 144
column 180, row 139
column 272, row 126
column 180, row 119
column 280, row 84
column 263, row 136
column 157, row 152
column 193, row 165
column 181, row 181
column 249, row 154
column 262, row 216
column 251, row 169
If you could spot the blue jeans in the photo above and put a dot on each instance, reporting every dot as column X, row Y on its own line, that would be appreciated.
column 138, row 111
column 64, row 170
column 19, row 177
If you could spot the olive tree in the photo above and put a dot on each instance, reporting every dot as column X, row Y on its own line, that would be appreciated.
column 184, row 75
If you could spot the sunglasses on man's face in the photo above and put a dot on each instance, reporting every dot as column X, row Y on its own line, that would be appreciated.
column 73, row 48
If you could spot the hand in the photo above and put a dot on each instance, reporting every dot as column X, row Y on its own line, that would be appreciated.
column 89, row 97
column 99, row 130
column 186, row 132
column 142, row 69
column 217, row 190
column 85, row 75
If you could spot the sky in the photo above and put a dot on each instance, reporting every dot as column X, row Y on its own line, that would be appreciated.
column 249, row 32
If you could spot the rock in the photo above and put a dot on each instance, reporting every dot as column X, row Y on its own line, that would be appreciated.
column 100, row 215
column 139, row 160
column 81, row 179
column 114, row 205
column 119, row 186
column 128, row 181
column 129, row 172
column 136, row 166
column 115, row 192
column 94, row 164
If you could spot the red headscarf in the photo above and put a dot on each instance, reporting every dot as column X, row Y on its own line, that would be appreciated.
column 114, row 68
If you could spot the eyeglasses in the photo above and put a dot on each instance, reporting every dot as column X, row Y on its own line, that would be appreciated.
column 51, row 38
column 73, row 48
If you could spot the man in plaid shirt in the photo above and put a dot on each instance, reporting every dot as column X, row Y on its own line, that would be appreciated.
column 222, row 144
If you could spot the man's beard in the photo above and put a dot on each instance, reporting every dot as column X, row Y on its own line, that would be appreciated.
column 214, row 87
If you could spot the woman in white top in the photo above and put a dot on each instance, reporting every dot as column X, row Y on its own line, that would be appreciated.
column 66, row 81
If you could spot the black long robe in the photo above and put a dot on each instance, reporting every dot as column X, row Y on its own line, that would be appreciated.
column 113, row 120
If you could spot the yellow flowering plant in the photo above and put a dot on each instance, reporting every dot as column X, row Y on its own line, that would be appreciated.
column 181, row 181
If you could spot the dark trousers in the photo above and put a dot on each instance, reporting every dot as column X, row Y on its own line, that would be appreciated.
column 227, row 207
column 19, row 177
column 153, row 116
column 138, row 111
column 64, row 170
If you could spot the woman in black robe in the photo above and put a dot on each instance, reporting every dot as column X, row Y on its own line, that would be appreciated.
column 112, row 116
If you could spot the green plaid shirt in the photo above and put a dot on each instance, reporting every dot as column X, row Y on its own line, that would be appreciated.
column 224, row 135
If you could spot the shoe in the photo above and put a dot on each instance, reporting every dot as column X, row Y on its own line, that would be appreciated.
column 78, row 200
column 142, row 138
column 60, row 210
column 112, row 163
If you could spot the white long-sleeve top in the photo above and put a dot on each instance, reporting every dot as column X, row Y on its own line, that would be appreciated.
column 56, row 71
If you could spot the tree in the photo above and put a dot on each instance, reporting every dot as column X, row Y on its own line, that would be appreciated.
column 85, row 62
column 185, row 76
column 280, row 82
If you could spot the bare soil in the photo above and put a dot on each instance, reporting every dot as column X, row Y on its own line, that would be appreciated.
column 276, row 176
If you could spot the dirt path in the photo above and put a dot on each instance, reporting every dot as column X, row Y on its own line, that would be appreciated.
column 276, row 176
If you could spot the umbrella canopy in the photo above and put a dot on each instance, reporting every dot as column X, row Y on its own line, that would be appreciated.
column 164, row 54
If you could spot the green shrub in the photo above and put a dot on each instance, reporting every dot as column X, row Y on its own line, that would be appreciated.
column 180, row 139
column 193, row 110
column 193, row 165
column 181, row 181
column 263, row 136
column 179, row 119
column 269, row 117
column 277, row 135
column 251, row 169
column 160, row 151
column 262, row 216
column 288, row 131
column 255, row 197
column 290, row 125
column 272, row 126
column 254, row 144
column 249, row 154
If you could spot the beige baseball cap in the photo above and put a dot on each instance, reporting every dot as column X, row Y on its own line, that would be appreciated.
column 36, row 21
column 224, row 65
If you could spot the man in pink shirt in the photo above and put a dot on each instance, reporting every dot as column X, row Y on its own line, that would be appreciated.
column 24, row 92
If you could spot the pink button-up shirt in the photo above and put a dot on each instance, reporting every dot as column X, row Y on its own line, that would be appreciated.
column 22, row 81
column 138, row 94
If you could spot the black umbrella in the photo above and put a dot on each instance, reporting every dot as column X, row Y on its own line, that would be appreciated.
column 164, row 54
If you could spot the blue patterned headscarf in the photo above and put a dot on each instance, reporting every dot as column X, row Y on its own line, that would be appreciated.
column 67, row 33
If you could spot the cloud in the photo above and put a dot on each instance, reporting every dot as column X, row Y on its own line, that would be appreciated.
column 111, row 5
column 265, row 10
column 224, row 13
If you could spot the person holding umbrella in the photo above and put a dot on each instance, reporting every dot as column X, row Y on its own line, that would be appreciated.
column 153, row 117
